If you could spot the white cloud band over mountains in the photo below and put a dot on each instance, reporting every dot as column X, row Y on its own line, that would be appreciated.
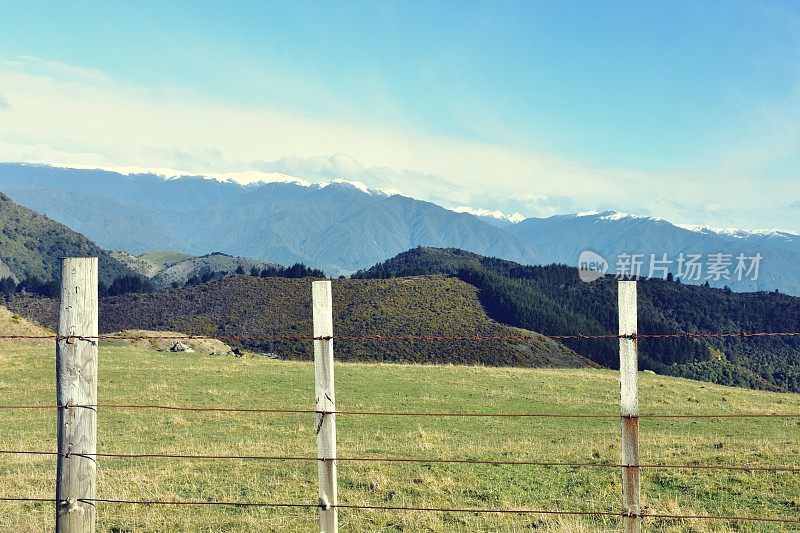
column 71, row 116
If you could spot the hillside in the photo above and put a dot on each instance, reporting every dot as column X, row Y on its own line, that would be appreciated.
column 173, row 269
column 180, row 272
column 162, row 259
column 552, row 300
column 31, row 245
column 141, row 266
column 13, row 324
column 246, row 305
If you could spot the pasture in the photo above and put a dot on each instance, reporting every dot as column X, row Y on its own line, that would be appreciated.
column 133, row 374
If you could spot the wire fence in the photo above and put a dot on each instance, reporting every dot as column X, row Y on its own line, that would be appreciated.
column 432, row 338
column 414, row 460
column 643, row 515
column 321, row 414
column 727, row 518
column 452, row 414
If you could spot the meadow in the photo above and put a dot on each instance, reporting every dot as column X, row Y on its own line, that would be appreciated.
column 137, row 374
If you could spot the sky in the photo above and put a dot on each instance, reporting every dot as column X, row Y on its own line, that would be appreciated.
column 688, row 111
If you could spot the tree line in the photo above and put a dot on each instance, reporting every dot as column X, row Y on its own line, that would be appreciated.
column 134, row 283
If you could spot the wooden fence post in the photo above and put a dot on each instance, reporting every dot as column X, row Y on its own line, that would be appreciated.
column 629, row 404
column 76, row 386
column 322, row 305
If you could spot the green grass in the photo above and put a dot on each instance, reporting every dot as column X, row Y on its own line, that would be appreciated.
column 164, row 259
column 129, row 375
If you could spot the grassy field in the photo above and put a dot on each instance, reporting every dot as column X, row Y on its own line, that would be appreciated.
column 133, row 374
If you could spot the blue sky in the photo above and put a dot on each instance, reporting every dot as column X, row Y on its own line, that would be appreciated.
column 685, row 110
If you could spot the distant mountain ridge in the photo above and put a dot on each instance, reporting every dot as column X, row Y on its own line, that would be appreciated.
column 339, row 227
column 342, row 227
column 616, row 236
column 179, row 273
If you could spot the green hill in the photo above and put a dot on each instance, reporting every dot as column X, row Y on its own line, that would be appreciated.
column 31, row 245
column 253, row 306
column 552, row 300
column 162, row 260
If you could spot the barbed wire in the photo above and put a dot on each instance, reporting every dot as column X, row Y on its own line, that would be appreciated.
column 433, row 338
column 213, row 409
column 416, row 460
column 369, row 338
column 646, row 515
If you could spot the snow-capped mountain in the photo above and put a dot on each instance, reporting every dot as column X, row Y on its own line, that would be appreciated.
column 623, row 239
column 495, row 218
column 342, row 226
column 771, row 236
column 339, row 226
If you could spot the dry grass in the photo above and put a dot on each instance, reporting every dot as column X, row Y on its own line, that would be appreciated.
column 160, row 341
column 131, row 374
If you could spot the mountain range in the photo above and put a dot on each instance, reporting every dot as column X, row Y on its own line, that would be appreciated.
column 419, row 291
column 342, row 228
column 450, row 292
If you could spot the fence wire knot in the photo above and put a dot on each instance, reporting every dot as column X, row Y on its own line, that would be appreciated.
column 71, row 505
column 71, row 339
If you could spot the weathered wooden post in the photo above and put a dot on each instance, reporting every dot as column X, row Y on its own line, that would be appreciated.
column 322, row 305
column 76, row 386
column 629, row 403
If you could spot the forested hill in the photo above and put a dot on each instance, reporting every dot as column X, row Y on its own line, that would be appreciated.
column 552, row 300
column 31, row 245
column 255, row 306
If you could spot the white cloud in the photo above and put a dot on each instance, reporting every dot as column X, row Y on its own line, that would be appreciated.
column 71, row 116
column 85, row 117
column 321, row 167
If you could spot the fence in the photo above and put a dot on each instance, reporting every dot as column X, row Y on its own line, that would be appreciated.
column 76, row 500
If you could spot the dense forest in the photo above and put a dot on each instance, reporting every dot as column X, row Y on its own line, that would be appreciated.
column 296, row 271
column 552, row 300
column 135, row 283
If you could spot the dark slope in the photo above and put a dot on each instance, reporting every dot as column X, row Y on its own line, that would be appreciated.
column 246, row 305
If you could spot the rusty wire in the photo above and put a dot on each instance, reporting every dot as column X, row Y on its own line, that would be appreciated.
column 365, row 338
column 448, row 338
column 416, row 460
column 213, row 409
column 656, row 516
